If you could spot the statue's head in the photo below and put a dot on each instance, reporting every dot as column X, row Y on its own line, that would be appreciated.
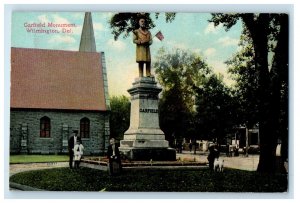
column 142, row 22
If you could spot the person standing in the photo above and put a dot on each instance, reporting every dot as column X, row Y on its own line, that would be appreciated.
column 113, row 155
column 78, row 152
column 191, row 146
column 143, row 39
column 71, row 143
column 211, row 157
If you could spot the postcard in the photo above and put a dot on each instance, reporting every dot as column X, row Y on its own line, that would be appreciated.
column 149, row 102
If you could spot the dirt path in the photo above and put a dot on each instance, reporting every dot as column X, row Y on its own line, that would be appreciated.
column 244, row 163
column 17, row 168
column 239, row 162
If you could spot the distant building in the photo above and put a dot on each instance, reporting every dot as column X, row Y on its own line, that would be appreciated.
column 241, row 136
column 54, row 92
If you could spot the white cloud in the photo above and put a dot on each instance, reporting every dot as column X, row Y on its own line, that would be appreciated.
column 227, row 41
column 218, row 66
column 177, row 45
column 210, row 52
column 108, row 15
column 197, row 50
column 43, row 18
column 55, row 18
column 197, row 33
column 72, row 47
column 98, row 26
column 77, row 30
column 117, row 45
column 103, row 15
column 78, row 15
column 61, row 39
column 121, row 75
column 58, row 19
column 221, row 68
column 212, row 29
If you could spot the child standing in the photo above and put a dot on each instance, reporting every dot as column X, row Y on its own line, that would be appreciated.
column 78, row 152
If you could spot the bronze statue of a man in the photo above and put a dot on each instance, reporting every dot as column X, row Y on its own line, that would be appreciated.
column 143, row 39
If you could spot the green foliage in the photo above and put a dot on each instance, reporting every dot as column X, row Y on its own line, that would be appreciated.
column 216, row 109
column 127, row 22
column 176, row 180
column 188, row 82
column 227, row 20
column 119, row 116
column 242, row 68
column 178, row 72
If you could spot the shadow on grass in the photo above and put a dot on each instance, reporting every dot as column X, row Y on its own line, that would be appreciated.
column 203, row 180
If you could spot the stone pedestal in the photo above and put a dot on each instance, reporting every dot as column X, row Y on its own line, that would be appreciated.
column 144, row 140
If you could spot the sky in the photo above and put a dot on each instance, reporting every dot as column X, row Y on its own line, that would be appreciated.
column 189, row 31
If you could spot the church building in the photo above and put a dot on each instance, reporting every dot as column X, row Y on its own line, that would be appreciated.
column 54, row 92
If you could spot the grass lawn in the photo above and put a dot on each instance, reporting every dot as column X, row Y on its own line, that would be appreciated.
column 200, row 180
column 15, row 159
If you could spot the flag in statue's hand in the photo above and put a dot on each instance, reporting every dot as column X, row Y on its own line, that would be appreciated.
column 160, row 36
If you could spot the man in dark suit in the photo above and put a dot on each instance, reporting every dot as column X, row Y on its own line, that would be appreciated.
column 71, row 143
column 113, row 155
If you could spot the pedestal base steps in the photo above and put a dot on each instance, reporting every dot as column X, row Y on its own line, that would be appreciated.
column 146, row 154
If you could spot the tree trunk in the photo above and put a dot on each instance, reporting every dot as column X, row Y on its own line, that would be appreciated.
column 259, row 28
column 268, row 139
column 270, row 84
column 279, row 75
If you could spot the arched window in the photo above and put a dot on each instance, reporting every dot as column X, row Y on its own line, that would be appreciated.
column 85, row 128
column 45, row 127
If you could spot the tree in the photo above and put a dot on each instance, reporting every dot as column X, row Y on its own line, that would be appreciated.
column 242, row 68
column 119, row 116
column 216, row 109
column 178, row 72
column 265, row 30
column 125, row 23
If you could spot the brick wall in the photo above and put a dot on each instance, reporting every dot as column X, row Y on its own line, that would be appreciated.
column 25, row 131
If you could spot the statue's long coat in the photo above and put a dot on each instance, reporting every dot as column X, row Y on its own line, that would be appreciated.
column 142, row 50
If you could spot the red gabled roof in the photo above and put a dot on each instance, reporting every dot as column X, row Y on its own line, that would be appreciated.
column 54, row 79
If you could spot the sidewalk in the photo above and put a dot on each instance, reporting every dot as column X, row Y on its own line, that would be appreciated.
column 17, row 168
column 241, row 162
